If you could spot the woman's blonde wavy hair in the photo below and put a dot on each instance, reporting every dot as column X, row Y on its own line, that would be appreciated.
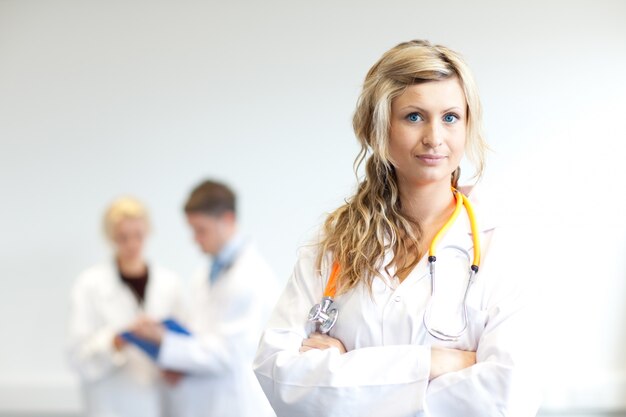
column 359, row 233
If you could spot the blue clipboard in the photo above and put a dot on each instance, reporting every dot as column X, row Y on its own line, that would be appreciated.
column 174, row 326
column 150, row 348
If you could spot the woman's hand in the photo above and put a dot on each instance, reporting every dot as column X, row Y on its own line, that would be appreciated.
column 321, row 341
column 443, row 360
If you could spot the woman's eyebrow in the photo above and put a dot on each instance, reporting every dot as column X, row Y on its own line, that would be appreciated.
column 413, row 107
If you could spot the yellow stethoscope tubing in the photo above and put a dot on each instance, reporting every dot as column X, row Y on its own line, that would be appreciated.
column 457, row 209
column 461, row 201
column 475, row 231
column 446, row 337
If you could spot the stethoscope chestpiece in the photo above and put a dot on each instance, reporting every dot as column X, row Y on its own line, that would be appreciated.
column 323, row 315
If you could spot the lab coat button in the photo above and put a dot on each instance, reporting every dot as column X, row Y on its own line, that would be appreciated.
column 398, row 298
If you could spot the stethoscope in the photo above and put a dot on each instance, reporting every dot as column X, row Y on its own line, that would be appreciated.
column 325, row 317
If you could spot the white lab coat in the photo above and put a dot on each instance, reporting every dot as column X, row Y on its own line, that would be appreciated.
column 226, row 321
column 386, row 368
column 125, row 383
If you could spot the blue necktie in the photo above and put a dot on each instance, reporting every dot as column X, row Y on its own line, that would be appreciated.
column 216, row 268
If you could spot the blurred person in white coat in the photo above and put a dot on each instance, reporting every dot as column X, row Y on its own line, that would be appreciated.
column 231, row 300
column 396, row 349
column 119, row 379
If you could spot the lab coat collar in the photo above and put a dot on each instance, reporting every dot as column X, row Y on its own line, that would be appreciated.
column 230, row 250
column 227, row 256
column 113, row 286
column 486, row 217
column 460, row 233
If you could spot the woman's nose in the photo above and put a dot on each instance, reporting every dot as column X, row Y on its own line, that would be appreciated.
column 433, row 135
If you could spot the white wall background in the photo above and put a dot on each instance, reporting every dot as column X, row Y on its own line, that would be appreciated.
column 148, row 97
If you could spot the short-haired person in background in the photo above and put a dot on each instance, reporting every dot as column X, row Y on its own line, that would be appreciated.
column 230, row 303
column 399, row 348
column 118, row 379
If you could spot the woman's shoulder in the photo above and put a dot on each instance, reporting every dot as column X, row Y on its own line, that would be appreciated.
column 95, row 278
column 485, row 202
column 309, row 250
column 96, row 272
column 314, row 266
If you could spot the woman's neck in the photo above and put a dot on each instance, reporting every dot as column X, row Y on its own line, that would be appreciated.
column 427, row 204
column 132, row 267
column 430, row 206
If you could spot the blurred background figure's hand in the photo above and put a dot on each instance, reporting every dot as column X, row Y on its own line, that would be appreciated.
column 118, row 342
column 148, row 329
column 172, row 377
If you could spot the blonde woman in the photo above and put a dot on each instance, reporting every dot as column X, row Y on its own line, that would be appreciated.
column 398, row 347
column 118, row 379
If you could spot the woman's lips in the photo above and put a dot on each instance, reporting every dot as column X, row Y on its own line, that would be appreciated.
column 432, row 160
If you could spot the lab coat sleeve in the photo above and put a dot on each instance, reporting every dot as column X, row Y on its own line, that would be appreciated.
column 505, row 380
column 227, row 342
column 370, row 381
column 90, row 344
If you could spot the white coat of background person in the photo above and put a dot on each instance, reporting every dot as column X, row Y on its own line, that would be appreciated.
column 231, row 301
column 418, row 114
column 118, row 379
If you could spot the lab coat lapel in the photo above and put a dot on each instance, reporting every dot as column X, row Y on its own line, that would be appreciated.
column 116, row 292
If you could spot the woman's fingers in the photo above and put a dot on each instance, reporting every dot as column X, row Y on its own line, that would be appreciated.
column 316, row 343
column 321, row 341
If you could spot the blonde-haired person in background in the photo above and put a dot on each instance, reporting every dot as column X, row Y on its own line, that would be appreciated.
column 418, row 115
column 118, row 379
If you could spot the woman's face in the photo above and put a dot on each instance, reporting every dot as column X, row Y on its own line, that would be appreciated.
column 129, row 236
column 428, row 132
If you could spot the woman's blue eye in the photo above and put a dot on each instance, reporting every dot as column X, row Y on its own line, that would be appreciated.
column 450, row 118
column 414, row 117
